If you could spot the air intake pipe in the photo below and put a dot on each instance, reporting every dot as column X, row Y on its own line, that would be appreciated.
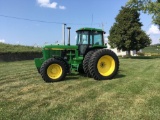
column 69, row 35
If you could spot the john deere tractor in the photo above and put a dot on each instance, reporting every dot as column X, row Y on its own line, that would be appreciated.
column 90, row 54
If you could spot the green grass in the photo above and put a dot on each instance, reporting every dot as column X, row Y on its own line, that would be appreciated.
column 133, row 94
column 152, row 49
column 8, row 48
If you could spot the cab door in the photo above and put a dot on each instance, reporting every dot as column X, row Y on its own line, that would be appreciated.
column 82, row 41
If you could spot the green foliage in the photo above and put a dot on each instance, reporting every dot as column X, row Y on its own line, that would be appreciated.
column 126, row 33
column 140, row 54
column 8, row 48
column 149, row 6
column 152, row 49
column 133, row 94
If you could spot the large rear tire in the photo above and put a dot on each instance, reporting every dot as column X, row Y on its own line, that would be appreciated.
column 53, row 70
column 104, row 64
column 86, row 62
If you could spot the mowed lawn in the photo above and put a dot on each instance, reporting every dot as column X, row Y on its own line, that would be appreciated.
column 133, row 94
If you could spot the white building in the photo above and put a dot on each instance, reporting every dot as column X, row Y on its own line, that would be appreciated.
column 120, row 52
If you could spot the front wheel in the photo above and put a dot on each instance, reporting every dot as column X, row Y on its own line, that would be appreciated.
column 104, row 64
column 53, row 70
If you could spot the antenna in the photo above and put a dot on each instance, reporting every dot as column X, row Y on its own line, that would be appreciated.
column 102, row 26
column 92, row 20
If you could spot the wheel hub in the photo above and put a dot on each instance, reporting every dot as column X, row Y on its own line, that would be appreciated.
column 106, row 65
column 102, row 64
column 54, row 71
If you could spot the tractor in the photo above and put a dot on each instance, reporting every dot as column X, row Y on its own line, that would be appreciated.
column 90, row 55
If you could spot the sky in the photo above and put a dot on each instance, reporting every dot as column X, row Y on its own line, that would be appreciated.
column 39, row 22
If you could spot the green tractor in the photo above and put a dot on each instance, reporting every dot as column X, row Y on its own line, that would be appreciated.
column 89, row 55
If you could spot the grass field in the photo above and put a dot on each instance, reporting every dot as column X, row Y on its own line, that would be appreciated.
column 151, row 49
column 133, row 94
column 9, row 48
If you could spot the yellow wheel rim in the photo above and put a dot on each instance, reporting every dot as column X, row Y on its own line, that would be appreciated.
column 54, row 71
column 106, row 65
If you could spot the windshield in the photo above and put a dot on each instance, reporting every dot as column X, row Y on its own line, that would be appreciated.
column 90, row 37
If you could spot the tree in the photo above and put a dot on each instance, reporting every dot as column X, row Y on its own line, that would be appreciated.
column 147, row 6
column 126, row 33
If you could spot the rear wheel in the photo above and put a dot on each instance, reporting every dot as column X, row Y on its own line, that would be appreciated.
column 86, row 62
column 38, row 69
column 104, row 64
column 53, row 70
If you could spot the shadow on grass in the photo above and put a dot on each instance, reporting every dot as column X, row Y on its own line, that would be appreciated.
column 73, row 76
column 120, row 76
column 76, row 76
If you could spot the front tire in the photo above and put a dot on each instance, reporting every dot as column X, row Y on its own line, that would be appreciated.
column 53, row 70
column 104, row 64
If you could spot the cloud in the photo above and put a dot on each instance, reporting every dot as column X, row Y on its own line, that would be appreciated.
column 154, row 34
column 154, row 38
column 106, row 37
column 49, row 4
column 153, row 30
column 2, row 41
column 62, row 7
column 43, row 2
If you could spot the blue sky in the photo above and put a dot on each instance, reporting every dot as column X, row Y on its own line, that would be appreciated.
column 76, row 13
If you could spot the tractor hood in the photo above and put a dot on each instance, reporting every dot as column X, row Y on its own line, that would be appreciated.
column 60, row 47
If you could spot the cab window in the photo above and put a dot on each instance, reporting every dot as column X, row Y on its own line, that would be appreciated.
column 97, row 38
column 82, row 37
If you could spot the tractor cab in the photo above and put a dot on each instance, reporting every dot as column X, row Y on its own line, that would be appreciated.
column 89, row 38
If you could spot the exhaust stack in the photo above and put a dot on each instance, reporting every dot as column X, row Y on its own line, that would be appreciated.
column 69, row 35
column 63, row 33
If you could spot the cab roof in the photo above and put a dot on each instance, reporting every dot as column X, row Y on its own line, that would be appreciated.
column 89, row 29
